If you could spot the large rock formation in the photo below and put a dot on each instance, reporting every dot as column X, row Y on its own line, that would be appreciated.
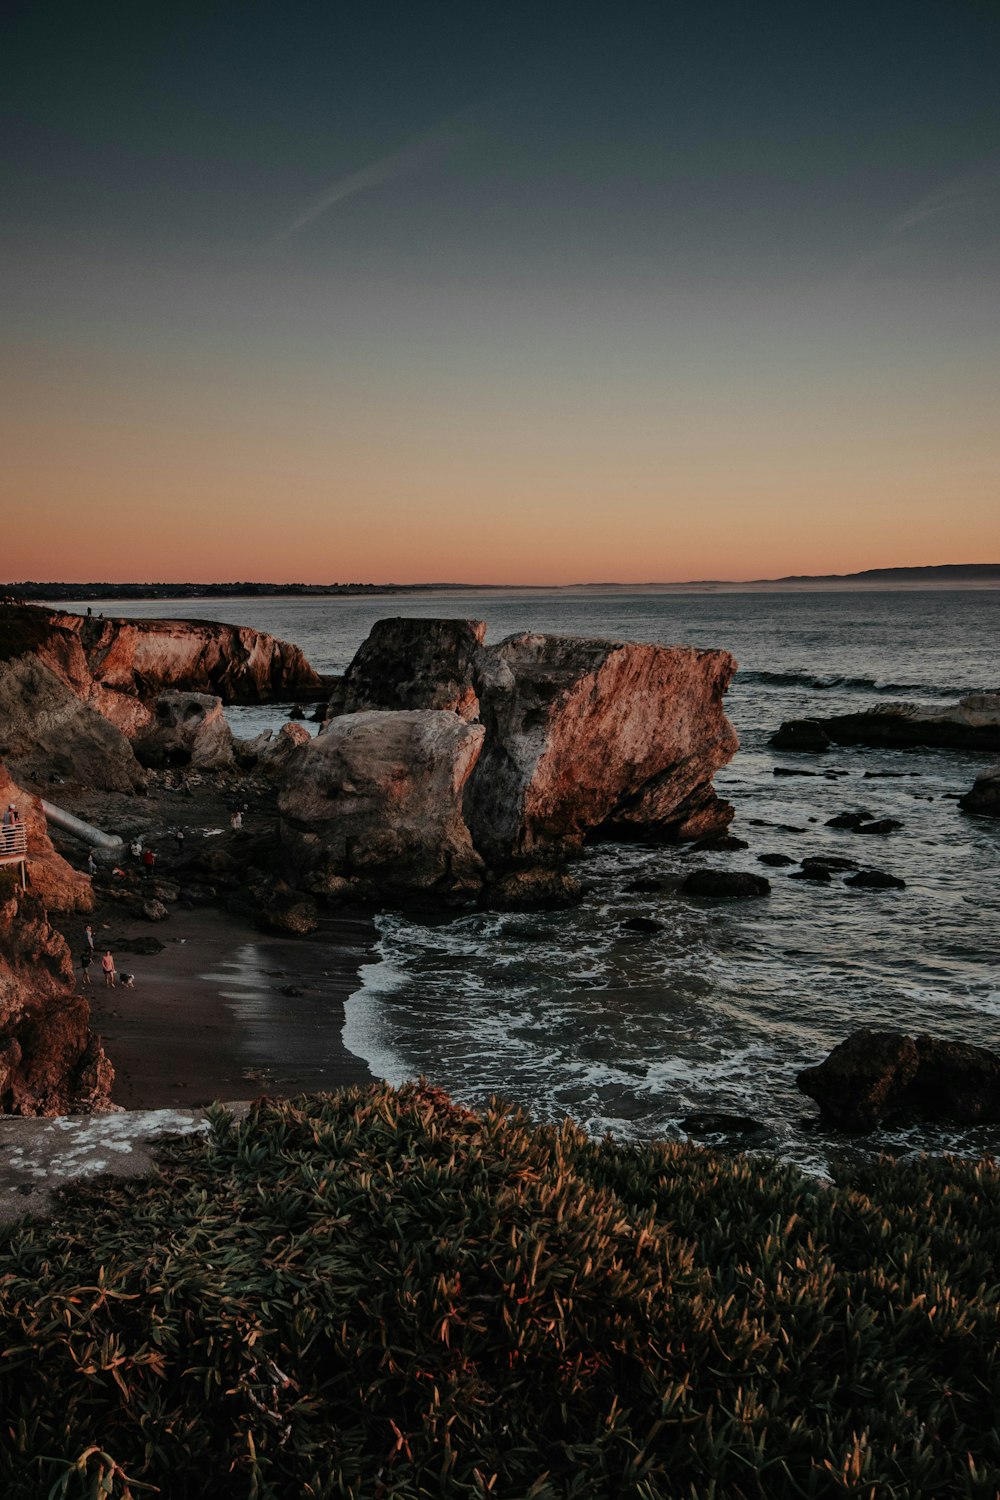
column 47, row 731
column 122, row 666
column 68, row 682
column 883, row 1075
column 187, row 729
column 579, row 737
column 372, row 808
column 50, row 1061
column 408, row 663
column 973, row 723
column 984, row 796
column 596, row 737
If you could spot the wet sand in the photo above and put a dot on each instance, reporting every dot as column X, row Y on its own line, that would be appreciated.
column 226, row 1011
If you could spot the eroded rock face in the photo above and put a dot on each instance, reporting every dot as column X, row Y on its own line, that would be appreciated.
column 412, row 663
column 376, row 801
column 53, row 879
column 984, row 797
column 187, row 729
column 881, row 1075
column 596, row 737
column 46, row 731
column 119, row 667
column 50, row 1061
column 973, row 723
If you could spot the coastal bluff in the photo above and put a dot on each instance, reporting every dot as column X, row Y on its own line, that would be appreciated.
column 76, row 692
column 576, row 738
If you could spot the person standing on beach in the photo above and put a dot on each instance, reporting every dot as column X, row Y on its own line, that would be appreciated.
column 135, row 849
column 148, row 863
column 91, row 864
column 88, row 933
column 86, row 959
column 236, row 822
column 108, row 965
column 179, row 840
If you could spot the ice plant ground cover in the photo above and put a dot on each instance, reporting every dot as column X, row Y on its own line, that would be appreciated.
column 379, row 1294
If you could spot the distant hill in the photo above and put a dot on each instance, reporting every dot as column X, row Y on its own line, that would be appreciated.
column 954, row 575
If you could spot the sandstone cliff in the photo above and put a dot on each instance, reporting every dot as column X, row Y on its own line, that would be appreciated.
column 75, row 690
column 578, row 738
column 50, row 1061
column 595, row 737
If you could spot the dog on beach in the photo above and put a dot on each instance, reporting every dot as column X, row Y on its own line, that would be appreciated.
column 127, row 981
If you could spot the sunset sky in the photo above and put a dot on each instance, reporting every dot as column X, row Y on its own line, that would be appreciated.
column 499, row 293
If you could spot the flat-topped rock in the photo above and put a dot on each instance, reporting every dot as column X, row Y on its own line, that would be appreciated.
column 973, row 723
column 885, row 1075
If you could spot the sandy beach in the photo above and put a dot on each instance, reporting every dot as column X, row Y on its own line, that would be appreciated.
column 226, row 1011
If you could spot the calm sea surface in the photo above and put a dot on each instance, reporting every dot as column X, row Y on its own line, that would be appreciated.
column 720, row 1008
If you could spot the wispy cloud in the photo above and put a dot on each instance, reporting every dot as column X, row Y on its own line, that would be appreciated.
column 418, row 155
column 967, row 191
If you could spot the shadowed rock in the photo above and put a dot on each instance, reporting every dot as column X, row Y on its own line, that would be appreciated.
column 973, row 723
column 414, row 663
column 726, row 885
column 376, row 801
column 187, row 729
column 984, row 797
column 883, row 1075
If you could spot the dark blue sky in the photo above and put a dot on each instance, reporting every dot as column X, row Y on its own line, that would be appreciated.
column 475, row 236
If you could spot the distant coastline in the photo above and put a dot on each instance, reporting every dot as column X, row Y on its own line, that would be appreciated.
column 942, row 576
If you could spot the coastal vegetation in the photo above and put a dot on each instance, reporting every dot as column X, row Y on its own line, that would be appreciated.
column 377, row 1293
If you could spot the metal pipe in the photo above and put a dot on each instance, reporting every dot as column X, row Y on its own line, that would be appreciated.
column 79, row 829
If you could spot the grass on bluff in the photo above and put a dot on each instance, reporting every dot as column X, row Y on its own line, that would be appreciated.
column 375, row 1294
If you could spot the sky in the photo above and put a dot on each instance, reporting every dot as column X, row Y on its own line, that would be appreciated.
column 498, row 294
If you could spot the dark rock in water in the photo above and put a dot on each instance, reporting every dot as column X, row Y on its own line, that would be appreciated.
column 776, row 859
column 880, row 825
column 645, row 885
column 984, row 797
column 829, row 862
column 292, row 991
column 523, row 932
column 641, row 924
column 296, row 712
column 850, row 820
column 882, row 1075
column 876, row 880
column 720, row 842
column 971, row 724
column 864, row 1079
column 719, row 1122
column 790, row 771
column 806, row 735
column 726, row 885
column 888, row 775
column 815, row 872
column 534, row 889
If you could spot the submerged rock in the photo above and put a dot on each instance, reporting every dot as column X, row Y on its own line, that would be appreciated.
column 534, row 890
column 806, row 735
column 876, row 880
column 726, row 885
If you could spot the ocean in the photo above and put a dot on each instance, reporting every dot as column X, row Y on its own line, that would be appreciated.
column 567, row 1013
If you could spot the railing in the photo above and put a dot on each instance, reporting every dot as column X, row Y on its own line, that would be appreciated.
column 13, row 841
